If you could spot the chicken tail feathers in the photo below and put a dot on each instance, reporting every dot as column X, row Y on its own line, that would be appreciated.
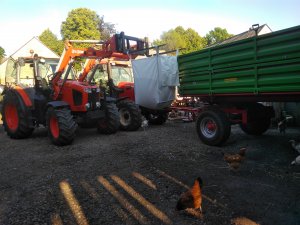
column 199, row 179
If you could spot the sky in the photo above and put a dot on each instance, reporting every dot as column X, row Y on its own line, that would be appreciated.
column 20, row 20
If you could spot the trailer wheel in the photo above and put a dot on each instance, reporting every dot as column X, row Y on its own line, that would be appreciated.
column 61, row 126
column 130, row 115
column 111, row 123
column 158, row 118
column 259, row 120
column 16, row 117
column 256, row 127
column 213, row 127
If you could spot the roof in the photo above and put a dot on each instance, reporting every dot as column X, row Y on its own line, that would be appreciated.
column 37, row 46
column 263, row 29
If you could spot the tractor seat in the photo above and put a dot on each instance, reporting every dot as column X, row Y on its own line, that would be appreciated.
column 114, row 88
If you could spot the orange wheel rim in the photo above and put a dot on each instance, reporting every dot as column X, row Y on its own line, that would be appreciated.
column 54, row 128
column 11, row 117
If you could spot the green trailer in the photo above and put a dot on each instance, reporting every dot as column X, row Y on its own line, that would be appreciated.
column 234, row 78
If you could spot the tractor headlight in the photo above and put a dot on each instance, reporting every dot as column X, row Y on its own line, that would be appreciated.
column 98, row 104
column 88, row 90
column 87, row 105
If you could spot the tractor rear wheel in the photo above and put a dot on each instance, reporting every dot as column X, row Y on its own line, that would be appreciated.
column 130, row 115
column 111, row 123
column 61, row 126
column 213, row 126
column 16, row 117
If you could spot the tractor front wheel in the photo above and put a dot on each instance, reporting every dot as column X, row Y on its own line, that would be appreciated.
column 111, row 123
column 130, row 115
column 61, row 126
column 16, row 117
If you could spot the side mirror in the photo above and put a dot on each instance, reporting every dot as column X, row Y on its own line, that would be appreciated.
column 42, row 60
column 21, row 62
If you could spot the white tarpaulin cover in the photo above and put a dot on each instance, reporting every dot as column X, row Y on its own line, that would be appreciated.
column 155, row 80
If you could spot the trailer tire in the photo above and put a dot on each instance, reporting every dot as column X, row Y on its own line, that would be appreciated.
column 158, row 118
column 130, row 115
column 61, row 126
column 259, row 120
column 111, row 123
column 256, row 127
column 213, row 126
column 16, row 117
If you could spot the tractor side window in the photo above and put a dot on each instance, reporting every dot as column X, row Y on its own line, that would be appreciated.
column 11, row 71
column 121, row 74
column 26, row 75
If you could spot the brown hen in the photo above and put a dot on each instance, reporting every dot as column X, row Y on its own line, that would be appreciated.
column 235, row 160
column 192, row 198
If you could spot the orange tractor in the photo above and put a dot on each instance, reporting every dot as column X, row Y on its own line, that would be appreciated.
column 117, row 76
column 65, row 101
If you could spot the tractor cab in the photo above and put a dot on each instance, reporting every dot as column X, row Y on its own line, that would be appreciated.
column 23, row 71
column 115, row 76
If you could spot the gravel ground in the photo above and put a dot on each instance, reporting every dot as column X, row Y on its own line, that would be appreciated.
column 137, row 178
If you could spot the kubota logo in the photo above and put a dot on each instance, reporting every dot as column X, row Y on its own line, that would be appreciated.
column 77, row 51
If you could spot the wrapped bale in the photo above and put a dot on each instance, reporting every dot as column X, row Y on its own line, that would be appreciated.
column 155, row 81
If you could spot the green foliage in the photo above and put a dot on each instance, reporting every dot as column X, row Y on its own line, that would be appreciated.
column 50, row 40
column 217, row 35
column 2, row 53
column 81, row 23
column 188, row 40
column 194, row 41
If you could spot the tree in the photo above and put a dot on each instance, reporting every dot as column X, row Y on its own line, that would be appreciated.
column 217, row 35
column 106, row 29
column 51, row 41
column 172, row 40
column 81, row 23
column 188, row 40
column 194, row 41
column 2, row 53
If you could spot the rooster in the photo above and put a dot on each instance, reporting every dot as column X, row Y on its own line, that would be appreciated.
column 192, row 199
column 295, row 145
column 235, row 160
column 296, row 161
column 144, row 124
column 282, row 126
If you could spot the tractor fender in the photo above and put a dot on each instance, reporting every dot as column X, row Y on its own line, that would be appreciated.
column 58, row 104
column 121, row 99
column 22, row 97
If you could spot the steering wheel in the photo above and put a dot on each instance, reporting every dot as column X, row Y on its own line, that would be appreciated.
column 50, row 76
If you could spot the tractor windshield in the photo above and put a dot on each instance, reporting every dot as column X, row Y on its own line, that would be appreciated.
column 118, row 74
column 45, row 70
